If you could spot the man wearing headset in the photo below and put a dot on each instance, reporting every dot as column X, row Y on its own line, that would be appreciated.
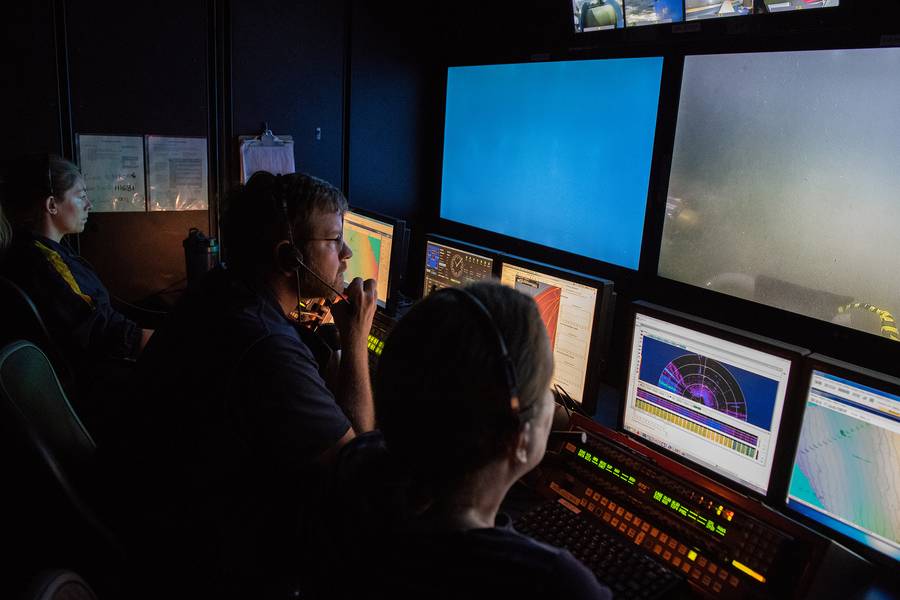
column 233, row 418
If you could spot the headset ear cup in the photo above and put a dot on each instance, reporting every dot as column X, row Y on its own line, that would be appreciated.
column 289, row 257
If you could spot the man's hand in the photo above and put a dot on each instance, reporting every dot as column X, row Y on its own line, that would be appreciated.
column 354, row 321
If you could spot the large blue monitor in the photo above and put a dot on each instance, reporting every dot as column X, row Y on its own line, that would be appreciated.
column 554, row 153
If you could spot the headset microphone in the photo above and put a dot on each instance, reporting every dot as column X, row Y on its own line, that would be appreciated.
column 322, row 280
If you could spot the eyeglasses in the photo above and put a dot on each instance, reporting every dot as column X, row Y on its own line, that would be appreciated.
column 337, row 241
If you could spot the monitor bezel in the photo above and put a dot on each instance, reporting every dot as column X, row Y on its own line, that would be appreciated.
column 858, row 374
column 794, row 354
column 601, row 328
column 395, row 264
column 456, row 244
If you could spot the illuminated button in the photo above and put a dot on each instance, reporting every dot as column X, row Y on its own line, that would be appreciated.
column 597, row 496
column 717, row 587
column 702, row 561
column 620, row 511
column 673, row 544
column 693, row 556
column 667, row 555
column 584, row 501
column 654, row 532
column 706, row 580
column 612, row 505
column 645, row 527
column 623, row 526
column 733, row 581
column 614, row 522
column 682, row 549
column 604, row 501
column 686, row 567
column 628, row 516
column 663, row 538
column 637, row 521
column 639, row 538
column 695, row 574
column 606, row 516
column 676, row 562
column 591, row 506
column 657, row 549
column 631, row 532
column 713, row 567
column 723, row 574
column 589, row 492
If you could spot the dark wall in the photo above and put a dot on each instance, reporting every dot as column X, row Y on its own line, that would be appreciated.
column 288, row 69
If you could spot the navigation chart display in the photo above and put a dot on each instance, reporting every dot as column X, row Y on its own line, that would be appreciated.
column 715, row 402
column 567, row 309
column 370, row 240
column 846, row 472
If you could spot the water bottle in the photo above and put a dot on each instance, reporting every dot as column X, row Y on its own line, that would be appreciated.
column 200, row 255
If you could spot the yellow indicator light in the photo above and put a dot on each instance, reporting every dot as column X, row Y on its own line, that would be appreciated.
column 692, row 555
column 748, row 571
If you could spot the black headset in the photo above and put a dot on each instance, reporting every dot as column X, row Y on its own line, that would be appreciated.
column 507, row 370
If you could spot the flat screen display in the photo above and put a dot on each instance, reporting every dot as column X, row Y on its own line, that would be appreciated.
column 713, row 401
column 554, row 153
column 846, row 472
column 784, row 179
column 567, row 309
column 447, row 266
column 371, row 242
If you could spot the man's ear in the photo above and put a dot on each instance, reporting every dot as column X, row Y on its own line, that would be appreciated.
column 523, row 443
column 50, row 205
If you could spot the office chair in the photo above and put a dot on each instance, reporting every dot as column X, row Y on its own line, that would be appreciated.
column 58, row 584
column 47, row 466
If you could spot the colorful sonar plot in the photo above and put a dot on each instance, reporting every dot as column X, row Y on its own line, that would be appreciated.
column 366, row 254
column 548, row 298
column 705, row 381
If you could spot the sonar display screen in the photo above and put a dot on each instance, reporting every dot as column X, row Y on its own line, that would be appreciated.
column 446, row 266
column 371, row 241
column 784, row 179
column 715, row 402
column 846, row 472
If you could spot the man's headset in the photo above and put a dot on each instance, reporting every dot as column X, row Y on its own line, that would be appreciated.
column 507, row 370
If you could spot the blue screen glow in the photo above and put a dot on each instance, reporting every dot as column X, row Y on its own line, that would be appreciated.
column 554, row 153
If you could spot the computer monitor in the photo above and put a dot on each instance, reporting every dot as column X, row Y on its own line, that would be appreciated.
column 653, row 12
column 451, row 263
column 845, row 477
column 532, row 150
column 774, row 6
column 377, row 243
column 713, row 9
column 597, row 15
column 783, row 183
column 577, row 311
column 707, row 393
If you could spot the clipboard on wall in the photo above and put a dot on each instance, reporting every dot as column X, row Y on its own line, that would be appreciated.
column 266, row 152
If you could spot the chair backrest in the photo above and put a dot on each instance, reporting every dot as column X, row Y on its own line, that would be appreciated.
column 22, row 321
column 33, row 397
column 58, row 584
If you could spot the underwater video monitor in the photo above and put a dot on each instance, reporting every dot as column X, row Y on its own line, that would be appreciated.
column 553, row 153
column 378, row 246
column 783, row 183
column 707, row 393
column 653, row 12
column 597, row 15
column 577, row 311
column 845, row 477
column 696, row 10
column 450, row 263
column 773, row 6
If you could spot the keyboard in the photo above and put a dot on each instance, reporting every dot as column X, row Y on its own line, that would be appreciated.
column 381, row 327
column 623, row 567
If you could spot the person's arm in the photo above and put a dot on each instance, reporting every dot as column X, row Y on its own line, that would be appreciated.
column 354, row 322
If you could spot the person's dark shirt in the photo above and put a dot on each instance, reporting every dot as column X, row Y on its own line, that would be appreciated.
column 220, row 442
column 72, row 301
column 369, row 528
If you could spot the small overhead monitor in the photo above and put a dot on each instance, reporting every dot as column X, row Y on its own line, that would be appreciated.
column 709, row 394
column 653, row 12
column 774, row 6
column 449, row 263
column 713, row 9
column 783, row 183
column 845, row 476
column 597, row 15
column 554, row 153
column 577, row 311
column 377, row 243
